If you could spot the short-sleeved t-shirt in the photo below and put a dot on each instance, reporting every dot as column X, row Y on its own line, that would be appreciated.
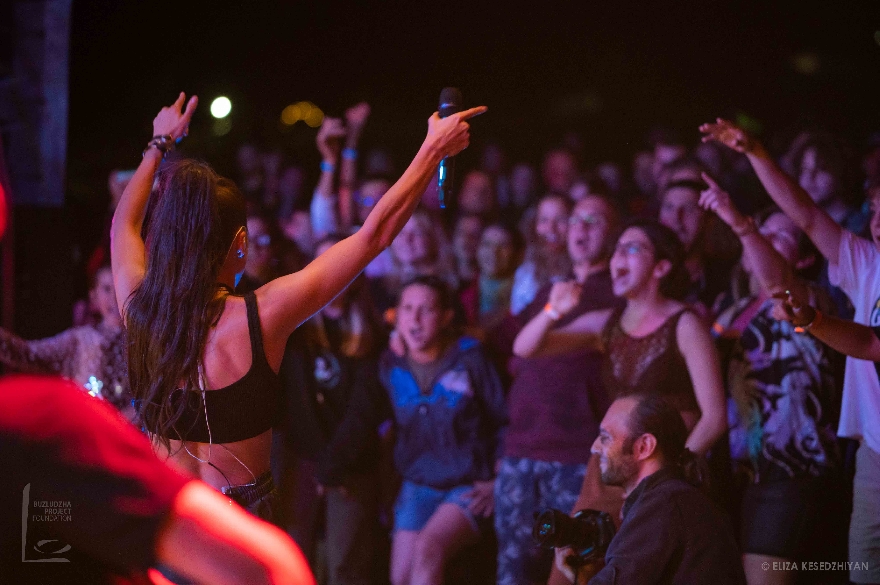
column 857, row 273
column 81, row 480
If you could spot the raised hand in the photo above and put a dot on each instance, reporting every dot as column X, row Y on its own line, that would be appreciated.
column 717, row 200
column 356, row 117
column 564, row 296
column 451, row 135
column 729, row 134
column 329, row 137
column 173, row 120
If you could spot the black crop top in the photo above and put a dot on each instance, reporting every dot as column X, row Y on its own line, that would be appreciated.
column 246, row 408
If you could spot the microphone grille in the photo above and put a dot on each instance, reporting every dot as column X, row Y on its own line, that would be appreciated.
column 450, row 101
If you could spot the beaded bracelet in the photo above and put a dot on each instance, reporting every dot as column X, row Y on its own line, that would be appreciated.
column 163, row 143
column 349, row 153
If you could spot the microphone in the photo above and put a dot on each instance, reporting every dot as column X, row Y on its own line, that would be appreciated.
column 450, row 103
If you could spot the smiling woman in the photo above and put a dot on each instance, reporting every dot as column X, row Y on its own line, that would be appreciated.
column 653, row 345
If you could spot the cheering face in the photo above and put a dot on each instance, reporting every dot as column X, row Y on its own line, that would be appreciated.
column 420, row 318
column 413, row 244
column 815, row 179
column 632, row 264
column 588, row 228
column 681, row 212
column 551, row 223
column 613, row 447
column 495, row 255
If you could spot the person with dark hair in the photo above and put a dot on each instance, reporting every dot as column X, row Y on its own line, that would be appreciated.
column 545, row 259
column 92, row 355
column 487, row 300
column 450, row 417
column 555, row 405
column 826, row 168
column 680, row 211
column 671, row 531
column 854, row 266
column 653, row 344
column 784, row 399
column 334, row 406
column 203, row 362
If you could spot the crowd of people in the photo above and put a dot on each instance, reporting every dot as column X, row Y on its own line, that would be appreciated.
column 399, row 386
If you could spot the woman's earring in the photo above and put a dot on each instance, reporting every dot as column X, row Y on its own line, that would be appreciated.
column 241, row 253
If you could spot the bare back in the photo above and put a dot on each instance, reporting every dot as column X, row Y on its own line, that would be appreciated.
column 227, row 359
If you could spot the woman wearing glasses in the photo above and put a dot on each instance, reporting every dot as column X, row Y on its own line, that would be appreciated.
column 653, row 344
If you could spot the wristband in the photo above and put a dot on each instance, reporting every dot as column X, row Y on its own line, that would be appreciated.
column 327, row 167
column 163, row 143
column 552, row 313
column 748, row 229
column 817, row 318
column 349, row 153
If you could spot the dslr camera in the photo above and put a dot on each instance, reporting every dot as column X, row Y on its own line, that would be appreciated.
column 588, row 533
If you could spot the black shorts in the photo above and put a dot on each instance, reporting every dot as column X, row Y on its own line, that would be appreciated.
column 779, row 518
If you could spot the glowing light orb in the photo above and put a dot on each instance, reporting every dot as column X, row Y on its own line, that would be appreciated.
column 221, row 107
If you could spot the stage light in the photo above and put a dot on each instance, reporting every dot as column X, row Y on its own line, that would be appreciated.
column 291, row 114
column 221, row 107
column 314, row 117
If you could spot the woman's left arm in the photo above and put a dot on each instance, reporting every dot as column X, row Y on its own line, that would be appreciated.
column 127, row 250
column 703, row 365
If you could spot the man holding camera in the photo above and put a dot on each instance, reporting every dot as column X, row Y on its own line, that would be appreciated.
column 671, row 532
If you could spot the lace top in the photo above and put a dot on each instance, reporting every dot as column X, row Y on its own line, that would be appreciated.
column 93, row 356
column 647, row 365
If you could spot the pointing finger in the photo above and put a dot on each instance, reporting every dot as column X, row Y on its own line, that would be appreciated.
column 709, row 180
column 178, row 103
column 468, row 114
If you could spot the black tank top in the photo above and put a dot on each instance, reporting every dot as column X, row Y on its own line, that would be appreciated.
column 647, row 365
column 245, row 409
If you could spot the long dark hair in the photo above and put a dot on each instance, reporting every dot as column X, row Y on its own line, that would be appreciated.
column 194, row 217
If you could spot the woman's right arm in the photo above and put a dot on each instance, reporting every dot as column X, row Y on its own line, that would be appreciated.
column 538, row 338
column 288, row 301
column 785, row 192
column 771, row 269
column 127, row 251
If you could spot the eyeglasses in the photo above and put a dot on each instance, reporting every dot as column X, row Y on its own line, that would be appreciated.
column 631, row 248
column 587, row 220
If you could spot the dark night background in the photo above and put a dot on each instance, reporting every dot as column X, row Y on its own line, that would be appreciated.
column 608, row 70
